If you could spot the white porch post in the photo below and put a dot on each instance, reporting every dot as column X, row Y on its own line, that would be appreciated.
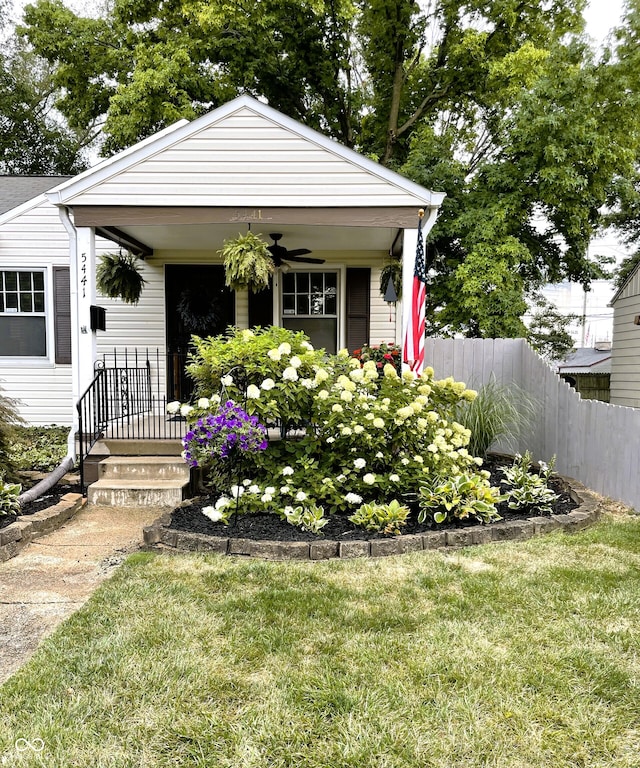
column 85, row 353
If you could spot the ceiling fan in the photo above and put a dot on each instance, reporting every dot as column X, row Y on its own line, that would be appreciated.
column 280, row 253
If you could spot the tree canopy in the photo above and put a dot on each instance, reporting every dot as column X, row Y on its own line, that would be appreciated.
column 503, row 105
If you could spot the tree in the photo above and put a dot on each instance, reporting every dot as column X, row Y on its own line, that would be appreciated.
column 547, row 332
column 500, row 104
column 32, row 140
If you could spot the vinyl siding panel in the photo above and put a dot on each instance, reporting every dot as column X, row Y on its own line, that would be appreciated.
column 625, row 351
column 246, row 160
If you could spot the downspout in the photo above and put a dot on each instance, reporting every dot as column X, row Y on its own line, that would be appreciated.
column 67, row 464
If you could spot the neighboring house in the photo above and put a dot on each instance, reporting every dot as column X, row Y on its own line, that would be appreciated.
column 588, row 370
column 173, row 199
column 625, row 352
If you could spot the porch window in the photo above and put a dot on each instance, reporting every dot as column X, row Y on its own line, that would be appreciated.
column 310, row 304
column 22, row 314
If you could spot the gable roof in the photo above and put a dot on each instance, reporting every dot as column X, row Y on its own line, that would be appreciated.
column 15, row 190
column 631, row 277
column 586, row 360
column 243, row 153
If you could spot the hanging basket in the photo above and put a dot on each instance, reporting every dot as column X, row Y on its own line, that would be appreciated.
column 247, row 263
column 118, row 277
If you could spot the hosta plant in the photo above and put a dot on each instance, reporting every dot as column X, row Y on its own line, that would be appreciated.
column 459, row 497
column 9, row 492
column 308, row 518
column 383, row 518
column 529, row 489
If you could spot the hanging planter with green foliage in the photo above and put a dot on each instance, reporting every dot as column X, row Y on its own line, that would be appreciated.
column 118, row 277
column 247, row 263
column 392, row 272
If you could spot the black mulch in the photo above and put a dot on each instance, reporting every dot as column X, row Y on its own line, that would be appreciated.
column 49, row 499
column 271, row 527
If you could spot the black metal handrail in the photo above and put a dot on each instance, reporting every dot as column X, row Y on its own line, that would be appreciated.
column 92, row 418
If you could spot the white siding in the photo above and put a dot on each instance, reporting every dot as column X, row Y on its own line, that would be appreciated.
column 36, row 239
column 625, row 350
column 246, row 160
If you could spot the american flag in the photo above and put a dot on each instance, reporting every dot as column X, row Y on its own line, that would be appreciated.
column 413, row 353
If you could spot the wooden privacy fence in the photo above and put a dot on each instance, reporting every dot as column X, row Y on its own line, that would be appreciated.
column 594, row 442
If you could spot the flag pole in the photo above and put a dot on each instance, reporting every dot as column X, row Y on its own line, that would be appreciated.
column 413, row 346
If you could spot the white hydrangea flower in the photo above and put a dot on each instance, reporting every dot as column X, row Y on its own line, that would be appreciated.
column 247, row 334
column 331, row 439
column 346, row 396
column 275, row 355
column 369, row 478
column 307, row 346
column 246, row 482
column 358, row 429
column 185, row 410
column 353, row 498
column 346, row 431
column 295, row 362
column 321, row 375
column 379, row 455
column 301, row 496
column 418, row 459
column 337, row 408
column 359, row 463
column 290, row 374
column 222, row 502
column 343, row 353
column 404, row 461
column 308, row 383
column 284, row 489
column 270, row 490
column 253, row 489
column 173, row 407
column 203, row 402
column 284, row 348
column 323, row 394
column 213, row 514
column 378, row 423
column 357, row 374
column 287, row 471
column 394, row 478
column 216, row 399
column 266, row 498
column 226, row 381
column 369, row 416
column 253, row 392
column 237, row 491
column 268, row 384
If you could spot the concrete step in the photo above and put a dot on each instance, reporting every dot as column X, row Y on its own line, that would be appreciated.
column 134, row 493
column 143, row 468
column 107, row 446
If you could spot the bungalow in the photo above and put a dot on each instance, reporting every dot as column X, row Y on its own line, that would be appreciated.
column 173, row 199
column 625, row 350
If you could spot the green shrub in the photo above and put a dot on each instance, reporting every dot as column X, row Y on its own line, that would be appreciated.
column 460, row 497
column 369, row 435
column 9, row 493
column 529, row 489
column 383, row 518
column 39, row 448
column 9, row 422
column 497, row 413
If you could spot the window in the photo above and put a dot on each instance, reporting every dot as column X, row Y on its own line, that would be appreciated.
column 24, row 306
column 310, row 304
column 22, row 314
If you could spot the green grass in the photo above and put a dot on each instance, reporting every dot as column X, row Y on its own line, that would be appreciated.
column 507, row 655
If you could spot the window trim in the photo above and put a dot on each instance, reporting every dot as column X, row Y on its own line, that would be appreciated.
column 46, row 360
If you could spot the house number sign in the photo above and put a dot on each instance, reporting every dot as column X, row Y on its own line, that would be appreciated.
column 247, row 215
column 83, row 280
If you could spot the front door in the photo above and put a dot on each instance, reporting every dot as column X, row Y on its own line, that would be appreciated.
column 197, row 303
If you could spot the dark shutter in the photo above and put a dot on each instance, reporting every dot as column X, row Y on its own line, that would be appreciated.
column 62, row 314
column 358, row 308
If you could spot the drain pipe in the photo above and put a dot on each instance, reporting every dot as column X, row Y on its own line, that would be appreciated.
column 67, row 464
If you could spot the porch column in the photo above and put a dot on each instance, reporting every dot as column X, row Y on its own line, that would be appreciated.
column 85, row 352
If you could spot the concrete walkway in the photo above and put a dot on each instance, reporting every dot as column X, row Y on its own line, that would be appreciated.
column 53, row 576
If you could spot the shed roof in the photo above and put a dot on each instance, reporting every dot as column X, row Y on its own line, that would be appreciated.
column 585, row 360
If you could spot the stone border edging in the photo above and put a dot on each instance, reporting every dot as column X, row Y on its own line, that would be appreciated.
column 158, row 536
column 25, row 529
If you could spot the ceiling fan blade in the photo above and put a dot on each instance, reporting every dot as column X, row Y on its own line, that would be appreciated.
column 298, row 252
column 301, row 260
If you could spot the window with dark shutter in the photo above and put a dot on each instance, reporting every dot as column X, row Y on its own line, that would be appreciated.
column 62, row 314
column 358, row 306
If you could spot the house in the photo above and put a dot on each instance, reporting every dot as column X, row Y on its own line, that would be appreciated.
column 625, row 351
column 588, row 370
column 173, row 199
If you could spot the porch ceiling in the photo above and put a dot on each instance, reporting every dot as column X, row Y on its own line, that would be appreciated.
column 203, row 237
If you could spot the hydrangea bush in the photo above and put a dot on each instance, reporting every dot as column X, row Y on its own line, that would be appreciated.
column 341, row 432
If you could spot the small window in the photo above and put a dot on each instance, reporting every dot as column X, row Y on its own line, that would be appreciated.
column 22, row 314
column 310, row 304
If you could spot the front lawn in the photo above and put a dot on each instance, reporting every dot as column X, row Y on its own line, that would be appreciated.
column 507, row 655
